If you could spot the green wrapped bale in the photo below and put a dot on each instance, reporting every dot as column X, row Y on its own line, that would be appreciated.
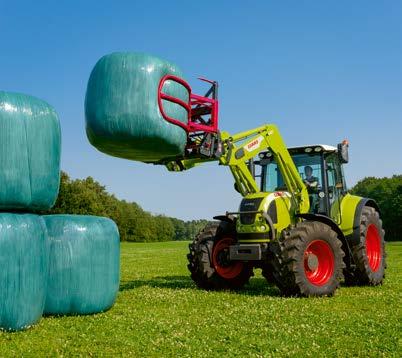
column 84, row 264
column 121, row 108
column 29, row 153
column 24, row 252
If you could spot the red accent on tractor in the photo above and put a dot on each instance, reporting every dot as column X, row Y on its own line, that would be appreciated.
column 164, row 96
column 197, row 106
column 319, row 262
column 373, row 247
column 220, row 259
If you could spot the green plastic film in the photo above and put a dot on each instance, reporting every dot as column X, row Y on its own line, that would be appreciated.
column 84, row 267
column 24, row 252
column 29, row 153
column 121, row 108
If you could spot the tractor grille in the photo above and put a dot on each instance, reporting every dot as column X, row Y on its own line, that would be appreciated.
column 249, row 205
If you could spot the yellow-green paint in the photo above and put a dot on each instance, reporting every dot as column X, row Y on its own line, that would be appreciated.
column 285, row 215
column 348, row 208
column 335, row 212
column 259, row 222
column 253, row 142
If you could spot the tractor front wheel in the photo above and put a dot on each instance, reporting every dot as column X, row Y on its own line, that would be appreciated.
column 209, row 262
column 308, row 260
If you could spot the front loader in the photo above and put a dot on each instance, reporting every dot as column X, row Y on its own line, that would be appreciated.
column 305, row 238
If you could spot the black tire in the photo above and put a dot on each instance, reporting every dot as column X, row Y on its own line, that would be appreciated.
column 370, row 263
column 268, row 274
column 308, row 260
column 267, row 268
column 201, row 263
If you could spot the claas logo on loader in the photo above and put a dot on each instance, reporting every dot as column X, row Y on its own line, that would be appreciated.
column 254, row 144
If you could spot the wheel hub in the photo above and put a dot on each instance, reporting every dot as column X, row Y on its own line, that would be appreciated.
column 319, row 262
column 312, row 261
column 222, row 258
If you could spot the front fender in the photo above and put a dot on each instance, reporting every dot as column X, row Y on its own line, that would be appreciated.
column 334, row 226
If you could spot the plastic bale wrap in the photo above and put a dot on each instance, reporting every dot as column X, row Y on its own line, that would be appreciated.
column 122, row 113
column 29, row 153
column 24, row 252
column 84, row 266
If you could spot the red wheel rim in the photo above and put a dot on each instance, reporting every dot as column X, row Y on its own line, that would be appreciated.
column 373, row 247
column 220, row 260
column 319, row 262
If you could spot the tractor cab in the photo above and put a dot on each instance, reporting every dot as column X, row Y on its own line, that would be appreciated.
column 320, row 167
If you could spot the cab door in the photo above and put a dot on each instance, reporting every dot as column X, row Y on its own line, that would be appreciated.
column 336, row 186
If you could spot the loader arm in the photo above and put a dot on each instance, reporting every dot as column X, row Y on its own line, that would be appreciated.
column 239, row 148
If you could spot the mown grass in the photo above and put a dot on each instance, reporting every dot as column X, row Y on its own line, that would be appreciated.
column 159, row 312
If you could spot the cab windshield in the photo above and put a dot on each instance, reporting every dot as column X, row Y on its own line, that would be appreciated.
column 273, row 180
column 325, row 189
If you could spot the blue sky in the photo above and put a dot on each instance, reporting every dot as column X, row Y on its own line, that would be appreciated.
column 321, row 70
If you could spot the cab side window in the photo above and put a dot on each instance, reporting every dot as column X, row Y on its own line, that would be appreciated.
column 273, row 178
column 335, row 186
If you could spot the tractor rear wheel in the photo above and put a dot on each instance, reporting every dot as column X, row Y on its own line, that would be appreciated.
column 369, row 252
column 209, row 263
column 308, row 260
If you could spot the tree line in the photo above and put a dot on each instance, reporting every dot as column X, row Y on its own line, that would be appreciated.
column 387, row 192
column 88, row 197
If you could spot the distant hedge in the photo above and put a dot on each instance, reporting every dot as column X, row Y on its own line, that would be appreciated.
column 387, row 192
column 88, row 197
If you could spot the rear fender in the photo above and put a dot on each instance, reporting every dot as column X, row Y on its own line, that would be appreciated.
column 354, row 237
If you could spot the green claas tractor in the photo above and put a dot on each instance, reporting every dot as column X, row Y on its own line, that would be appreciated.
column 296, row 221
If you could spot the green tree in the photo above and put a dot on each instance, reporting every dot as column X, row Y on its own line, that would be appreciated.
column 387, row 192
column 179, row 229
column 88, row 197
column 164, row 228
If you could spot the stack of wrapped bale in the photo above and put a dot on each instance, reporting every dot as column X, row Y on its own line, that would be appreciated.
column 29, row 182
column 30, row 257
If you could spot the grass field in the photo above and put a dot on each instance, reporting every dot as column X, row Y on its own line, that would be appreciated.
column 159, row 312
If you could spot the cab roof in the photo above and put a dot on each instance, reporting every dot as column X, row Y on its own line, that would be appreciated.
column 313, row 148
column 324, row 148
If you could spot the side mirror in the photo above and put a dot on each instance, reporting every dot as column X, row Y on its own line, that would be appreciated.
column 343, row 152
